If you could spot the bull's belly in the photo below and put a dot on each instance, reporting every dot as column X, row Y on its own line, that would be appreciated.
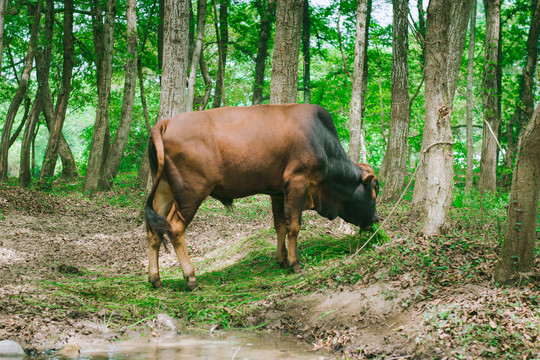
column 235, row 192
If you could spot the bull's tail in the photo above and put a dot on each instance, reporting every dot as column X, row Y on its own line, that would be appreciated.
column 156, row 156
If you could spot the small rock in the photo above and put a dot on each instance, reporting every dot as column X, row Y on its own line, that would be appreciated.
column 110, row 336
column 168, row 322
column 10, row 347
column 70, row 351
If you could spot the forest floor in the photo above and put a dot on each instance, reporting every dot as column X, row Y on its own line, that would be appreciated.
column 74, row 268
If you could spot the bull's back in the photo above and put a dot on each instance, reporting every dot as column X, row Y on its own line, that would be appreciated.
column 244, row 150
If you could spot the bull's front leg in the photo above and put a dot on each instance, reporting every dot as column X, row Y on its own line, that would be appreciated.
column 278, row 210
column 295, row 201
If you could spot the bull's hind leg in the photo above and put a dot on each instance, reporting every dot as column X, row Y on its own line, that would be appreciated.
column 179, row 243
column 154, row 243
column 162, row 204
column 278, row 210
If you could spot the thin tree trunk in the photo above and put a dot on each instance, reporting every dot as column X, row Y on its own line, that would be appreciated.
column 207, row 81
column 25, row 168
column 360, row 57
column 400, row 117
column 69, row 167
column 20, row 93
column 525, row 105
column 363, row 149
column 306, row 29
column 341, row 48
column 51, row 153
column 267, row 15
column 444, row 46
column 422, row 29
column 21, row 124
column 112, row 162
column 222, row 34
column 470, row 98
column 140, row 70
column 201, row 22
column 517, row 251
column 103, row 44
column 491, row 96
column 3, row 9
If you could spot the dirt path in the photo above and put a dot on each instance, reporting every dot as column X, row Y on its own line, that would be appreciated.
column 45, row 238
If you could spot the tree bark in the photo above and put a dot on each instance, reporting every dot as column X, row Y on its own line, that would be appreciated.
column 306, row 30
column 35, row 11
column 470, row 98
column 267, row 15
column 174, row 71
column 51, row 153
column 400, row 117
column 525, row 104
column 3, row 9
column 201, row 22
column 491, row 99
column 207, row 82
column 284, row 80
column 517, row 252
column 175, row 51
column 222, row 33
column 444, row 41
column 25, row 167
column 103, row 44
column 112, row 162
column 360, row 58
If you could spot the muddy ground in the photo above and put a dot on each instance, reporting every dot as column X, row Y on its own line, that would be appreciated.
column 47, row 237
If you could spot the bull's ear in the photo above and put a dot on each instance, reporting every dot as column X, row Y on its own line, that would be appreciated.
column 367, row 173
column 367, row 177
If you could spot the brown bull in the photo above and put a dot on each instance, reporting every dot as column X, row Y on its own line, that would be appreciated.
column 290, row 152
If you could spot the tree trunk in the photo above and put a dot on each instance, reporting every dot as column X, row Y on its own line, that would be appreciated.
column 470, row 98
column 525, row 104
column 284, row 80
column 103, row 44
column 201, row 22
column 112, row 162
column 222, row 33
column 306, row 29
column 35, row 10
column 174, row 69
column 517, row 252
column 25, row 167
column 400, row 117
column 444, row 46
column 3, row 9
column 491, row 100
column 267, row 17
column 51, row 153
column 175, row 51
column 360, row 58
column 207, row 82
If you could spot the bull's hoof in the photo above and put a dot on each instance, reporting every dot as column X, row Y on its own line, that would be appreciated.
column 284, row 264
column 192, row 284
column 297, row 268
column 157, row 284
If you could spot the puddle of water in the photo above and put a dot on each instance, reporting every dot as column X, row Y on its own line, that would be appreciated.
column 225, row 346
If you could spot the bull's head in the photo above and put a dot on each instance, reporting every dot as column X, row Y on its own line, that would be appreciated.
column 360, row 209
